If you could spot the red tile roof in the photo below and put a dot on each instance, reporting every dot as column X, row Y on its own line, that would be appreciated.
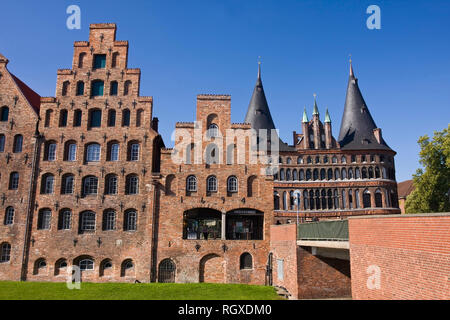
column 405, row 188
column 32, row 97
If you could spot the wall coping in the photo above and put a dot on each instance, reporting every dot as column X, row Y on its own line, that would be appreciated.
column 418, row 215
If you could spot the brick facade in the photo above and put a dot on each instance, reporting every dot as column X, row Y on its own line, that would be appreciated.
column 411, row 253
column 98, row 189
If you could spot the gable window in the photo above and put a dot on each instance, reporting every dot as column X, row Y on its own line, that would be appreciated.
column 81, row 59
column 87, row 222
column 2, row 143
column 14, row 181
column 63, row 118
column 65, row 219
column 4, row 114
column 65, row 88
column 113, row 89
column 99, row 61
column 127, row 87
column 80, row 88
column 111, row 118
column 126, row 118
column 93, row 153
column 97, row 88
column 9, row 216
column 109, row 220
column 18, row 142
column 77, row 116
column 90, row 186
column 130, row 221
column 139, row 117
column 114, row 61
column 44, row 219
column 95, row 118
column 48, row 118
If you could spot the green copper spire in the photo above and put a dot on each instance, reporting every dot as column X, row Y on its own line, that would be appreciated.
column 305, row 116
column 316, row 109
column 327, row 117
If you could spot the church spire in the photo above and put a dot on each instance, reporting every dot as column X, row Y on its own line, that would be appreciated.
column 305, row 116
column 357, row 126
column 316, row 109
column 327, row 117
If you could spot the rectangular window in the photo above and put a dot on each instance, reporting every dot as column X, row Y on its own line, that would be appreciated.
column 77, row 118
column 99, row 61
column 96, row 119
column 51, row 152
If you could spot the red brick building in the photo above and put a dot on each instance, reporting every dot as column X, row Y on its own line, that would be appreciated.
column 99, row 190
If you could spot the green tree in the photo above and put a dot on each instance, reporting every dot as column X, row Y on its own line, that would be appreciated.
column 432, row 183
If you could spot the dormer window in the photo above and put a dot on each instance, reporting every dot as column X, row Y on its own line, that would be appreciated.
column 99, row 61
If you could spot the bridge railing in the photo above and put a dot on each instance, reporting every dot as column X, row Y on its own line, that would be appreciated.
column 323, row 231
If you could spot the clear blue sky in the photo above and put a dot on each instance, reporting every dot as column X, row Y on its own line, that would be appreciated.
column 207, row 46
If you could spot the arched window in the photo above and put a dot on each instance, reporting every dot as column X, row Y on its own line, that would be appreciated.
column 325, row 159
column 127, row 87
column 14, row 181
column 318, row 202
column 288, row 175
column 191, row 184
column 132, row 184
column 367, row 201
column 344, row 200
column 95, row 118
column 285, row 202
column 377, row 173
column 334, row 159
column 246, row 261
column 350, row 173
column 50, row 151
column 336, row 199
column 133, row 151
column 97, row 88
column 166, row 271
column 357, row 201
column 170, row 190
column 322, row 174
column 139, row 114
column 113, row 88
column 126, row 118
column 295, row 175
column 276, row 201
column 70, row 151
column 317, row 160
column 2, row 143
column 90, row 185
column 113, row 151
column 309, row 160
column 93, row 152
column 81, row 58
column 18, row 143
column 211, row 184
column 65, row 219
column 111, row 118
column 63, row 114
column 87, row 222
column 330, row 174
column 67, row 184
column 308, row 175
column 127, row 268
column 111, row 184
column 48, row 183
column 213, row 130
column 300, row 160
column 301, row 175
column 357, row 173
column 130, row 221
column 109, row 220
column 305, row 200
column 232, row 185
column 316, row 174
column 288, row 161
column 4, row 114
column 312, row 204
column 5, row 255
column 77, row 117
column 65, row 88
column 40, row 266
column 323, row 199
column 350, row 199
column 9, row 216
column 80, row 88
column 44, row 219
column 344, row 174
column 384, row 173
column 115, row 60
column 60, row 266
column 378, row 199
column 86, row 265
column 330, row 199
column 343, row 159
column 364, row 173
column 292, row 200
column 282, row 175
column 48, row 118
column 370, row 173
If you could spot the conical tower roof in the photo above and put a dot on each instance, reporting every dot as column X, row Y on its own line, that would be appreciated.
column 258, row 114
column 357, row 123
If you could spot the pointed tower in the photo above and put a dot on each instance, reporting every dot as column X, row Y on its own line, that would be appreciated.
column 258, row 114
column 305, row 129
column 358, row 129
column 316, row 125
column 328, row 131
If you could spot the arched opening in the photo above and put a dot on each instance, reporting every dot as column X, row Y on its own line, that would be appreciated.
column 166, row 271
column 106, row 268
column 211, row 269
column 246, row 261
column 127, row 268
column 367, row 203
column 60, row 267
column 40, row 267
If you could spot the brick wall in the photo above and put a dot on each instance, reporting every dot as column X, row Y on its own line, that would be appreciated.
column 412, row 253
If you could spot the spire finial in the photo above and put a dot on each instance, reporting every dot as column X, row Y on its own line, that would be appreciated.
column 351, row 67
column 316, row 109
column 259, row 67
column 327, row 117
column 305, row 116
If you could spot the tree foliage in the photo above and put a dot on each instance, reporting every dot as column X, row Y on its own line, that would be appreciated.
column 432, row 183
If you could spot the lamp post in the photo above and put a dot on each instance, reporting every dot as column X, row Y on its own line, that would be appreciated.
column 297, row 194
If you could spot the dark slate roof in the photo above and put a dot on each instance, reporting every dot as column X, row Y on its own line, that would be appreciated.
column 357, row 124
column 258, row 114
